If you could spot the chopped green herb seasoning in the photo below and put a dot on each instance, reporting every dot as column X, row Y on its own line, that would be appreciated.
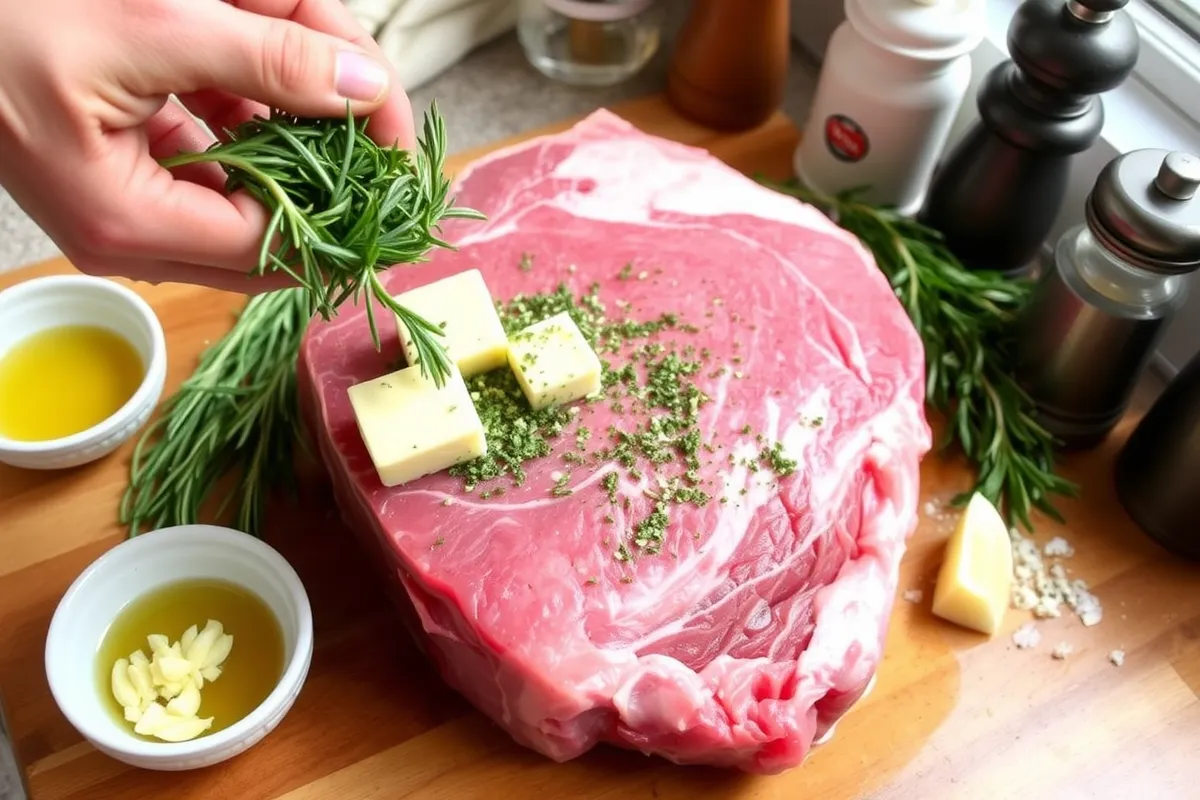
column 650, row 384
column 774, row 459
column 560, row 488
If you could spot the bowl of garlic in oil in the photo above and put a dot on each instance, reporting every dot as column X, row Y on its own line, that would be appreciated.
column 180, row 648
column 83, row 362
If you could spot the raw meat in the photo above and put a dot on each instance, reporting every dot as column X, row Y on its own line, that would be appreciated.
column 762, row 620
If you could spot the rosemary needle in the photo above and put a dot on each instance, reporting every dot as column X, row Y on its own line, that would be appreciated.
column 964, row 320
column 343, row 208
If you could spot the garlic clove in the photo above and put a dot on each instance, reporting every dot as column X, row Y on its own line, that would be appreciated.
column 187, row 703
column 211, row 673
column 122, row 687
column 174, row 670
column 140, row 677
column 198, row 652
column 189, row 636
column 159, row 645
column 152, row 719
column 181, row 729
column 219, row 652
column 156, row 676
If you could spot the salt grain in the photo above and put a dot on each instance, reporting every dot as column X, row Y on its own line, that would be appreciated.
column 1058, row 547
column 913, row 595
column 1027, row 636
column 1117, row 657
column 1062, row 651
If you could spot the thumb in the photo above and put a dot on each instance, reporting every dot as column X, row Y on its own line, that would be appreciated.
column 277, row 62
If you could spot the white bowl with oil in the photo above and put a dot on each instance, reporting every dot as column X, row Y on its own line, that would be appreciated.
column 151, row 561
column 40, row 304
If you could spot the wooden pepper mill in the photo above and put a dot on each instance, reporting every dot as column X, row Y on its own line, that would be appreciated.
column 730, row 63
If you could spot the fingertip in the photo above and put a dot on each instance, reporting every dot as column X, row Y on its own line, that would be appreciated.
column 393, row 125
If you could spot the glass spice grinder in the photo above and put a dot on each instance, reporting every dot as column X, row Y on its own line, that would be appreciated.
column 1095, row 318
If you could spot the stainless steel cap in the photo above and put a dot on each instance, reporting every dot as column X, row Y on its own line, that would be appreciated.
column 1144, row 208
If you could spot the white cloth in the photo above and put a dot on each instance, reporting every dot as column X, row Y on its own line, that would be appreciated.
column 422, row 38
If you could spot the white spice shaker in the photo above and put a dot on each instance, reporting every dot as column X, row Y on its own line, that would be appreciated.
column 894, row 77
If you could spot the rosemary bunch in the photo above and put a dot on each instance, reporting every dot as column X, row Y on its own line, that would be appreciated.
column 235, row 417
column 964, row 320
column 343, row 208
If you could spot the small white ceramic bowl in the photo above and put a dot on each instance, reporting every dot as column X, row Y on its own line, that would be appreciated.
column 41, row 303
column 140, row 565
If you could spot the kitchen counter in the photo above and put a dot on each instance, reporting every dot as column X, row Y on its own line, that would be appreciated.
column 491, row 95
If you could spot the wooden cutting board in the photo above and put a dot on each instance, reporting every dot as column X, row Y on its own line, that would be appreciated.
column 953, row 715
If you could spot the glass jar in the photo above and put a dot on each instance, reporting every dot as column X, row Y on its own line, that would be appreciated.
column 589, row 42
column 1111, row 284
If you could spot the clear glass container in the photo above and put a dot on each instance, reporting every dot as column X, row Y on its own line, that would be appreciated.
column 589, row 42
column 1111, row 284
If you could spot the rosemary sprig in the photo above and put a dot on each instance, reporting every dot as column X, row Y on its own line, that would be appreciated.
column 964, row 320
column 342, row 208
column 237, row 413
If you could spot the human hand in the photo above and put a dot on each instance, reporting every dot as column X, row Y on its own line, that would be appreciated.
column 84, row 114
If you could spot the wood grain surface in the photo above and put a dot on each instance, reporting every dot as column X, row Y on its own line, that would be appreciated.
column 953, row 715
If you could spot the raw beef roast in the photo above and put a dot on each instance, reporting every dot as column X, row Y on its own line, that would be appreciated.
column 759, row 619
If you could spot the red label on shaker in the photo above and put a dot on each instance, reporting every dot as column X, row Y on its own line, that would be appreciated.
column 846, row 139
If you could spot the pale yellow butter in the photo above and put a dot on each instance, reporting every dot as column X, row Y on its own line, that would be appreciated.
column 553, row 362
column 412, row 428
column 462, row 307
column 975, row 581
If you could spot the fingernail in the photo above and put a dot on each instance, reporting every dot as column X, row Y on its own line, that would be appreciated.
column 360, row 77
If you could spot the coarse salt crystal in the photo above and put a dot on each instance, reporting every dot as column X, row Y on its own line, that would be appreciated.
column 913, row 595
column 1087, row 605
column 1062, row 651
column 1024, row 598
column 1058, row 547
column 1047, row 608
column 1027, row 636
column 1117, row 657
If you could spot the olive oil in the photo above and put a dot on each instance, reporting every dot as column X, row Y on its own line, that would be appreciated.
column 64, row 380
column 248, row 675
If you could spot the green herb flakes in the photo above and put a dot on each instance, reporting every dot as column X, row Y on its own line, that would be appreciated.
column 650, row 381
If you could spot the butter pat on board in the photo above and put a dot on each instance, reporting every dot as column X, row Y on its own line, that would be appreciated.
column 553, row 362
column 412, row 428
column 462, row 306
column 975, row 582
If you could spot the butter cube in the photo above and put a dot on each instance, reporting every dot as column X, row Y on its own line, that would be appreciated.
column 553, row 362
column 412, row 428
column 975, row 581
column 462, row 306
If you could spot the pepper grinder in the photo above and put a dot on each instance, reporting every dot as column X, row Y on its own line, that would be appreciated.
column 729, row 68
column 996, row 195
column 1158, row 469
column 1095, row 318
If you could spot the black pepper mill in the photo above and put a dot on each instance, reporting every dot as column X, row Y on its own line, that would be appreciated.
column 996, row 195
column 1158, row 469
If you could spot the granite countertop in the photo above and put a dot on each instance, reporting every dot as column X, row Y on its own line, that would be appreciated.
column 490, row 95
